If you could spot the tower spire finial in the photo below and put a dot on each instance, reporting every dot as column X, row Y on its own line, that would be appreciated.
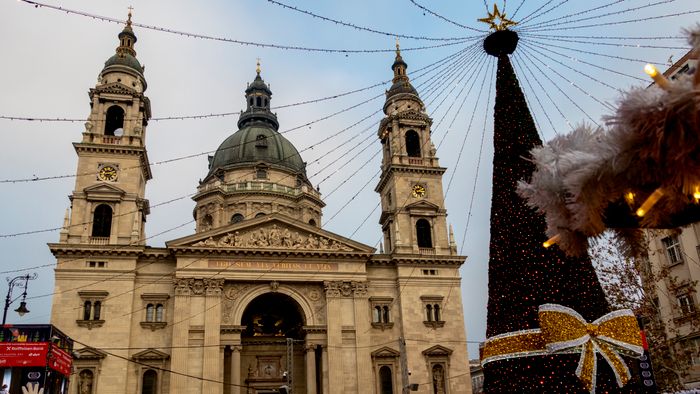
column 257, row 67
column 398, row 49
column 128, row 20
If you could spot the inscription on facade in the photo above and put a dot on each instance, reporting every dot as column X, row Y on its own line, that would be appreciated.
column 268, row 266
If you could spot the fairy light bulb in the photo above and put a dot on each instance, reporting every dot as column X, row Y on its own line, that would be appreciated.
column 650, row 202
column 555, row 239
column 658, row 78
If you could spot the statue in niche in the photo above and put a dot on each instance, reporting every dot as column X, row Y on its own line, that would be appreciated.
column 85, row 385
column 438, row 380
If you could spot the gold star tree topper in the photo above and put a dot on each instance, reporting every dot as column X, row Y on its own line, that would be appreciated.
column 503, row 21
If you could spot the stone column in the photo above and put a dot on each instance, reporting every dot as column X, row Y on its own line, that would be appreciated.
column 310, row 368
column 335, row 339
column 362, row 333
column 179, row 354
column 236, row 369
column 212, row 362
column 324, row 369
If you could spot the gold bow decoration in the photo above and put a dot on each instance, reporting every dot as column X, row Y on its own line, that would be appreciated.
column 563, row 330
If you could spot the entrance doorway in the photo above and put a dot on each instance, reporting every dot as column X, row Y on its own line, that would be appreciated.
column 272, row 344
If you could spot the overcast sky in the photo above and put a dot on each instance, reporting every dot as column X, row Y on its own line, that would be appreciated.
column 51, row 59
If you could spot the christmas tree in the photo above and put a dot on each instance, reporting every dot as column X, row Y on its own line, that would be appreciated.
column 524, row 274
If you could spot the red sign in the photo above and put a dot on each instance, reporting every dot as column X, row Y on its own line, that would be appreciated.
column 60, row 360
column 23, row 354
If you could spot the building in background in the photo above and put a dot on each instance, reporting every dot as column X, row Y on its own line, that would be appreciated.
column 674, row 260
column 477, row 374
column 260, row 296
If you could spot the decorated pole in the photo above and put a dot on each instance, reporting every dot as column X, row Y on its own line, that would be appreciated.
column 548, row 325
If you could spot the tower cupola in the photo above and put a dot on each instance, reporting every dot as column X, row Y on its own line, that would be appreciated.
column 258, row 96
column 401, row 88
column 124, row 60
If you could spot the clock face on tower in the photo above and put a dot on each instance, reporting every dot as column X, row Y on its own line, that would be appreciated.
column 418, row 191
column 107, row 172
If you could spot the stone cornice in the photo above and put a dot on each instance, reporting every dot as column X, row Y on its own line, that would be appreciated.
column 387, row 172
column 270, row 193
column 118, row 150
column 415, row 259
column 198, row 251
column 410, row 115
column 86, row 250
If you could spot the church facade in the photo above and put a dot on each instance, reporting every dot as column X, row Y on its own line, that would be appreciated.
column 260, row 296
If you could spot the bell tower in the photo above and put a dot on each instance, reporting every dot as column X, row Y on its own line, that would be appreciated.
column 413, row 215
column 108, row 204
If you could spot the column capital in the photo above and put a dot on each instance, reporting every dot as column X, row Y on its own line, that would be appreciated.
column 183, row 286
column 310, row 347
column 214, row 287
column 339, row 288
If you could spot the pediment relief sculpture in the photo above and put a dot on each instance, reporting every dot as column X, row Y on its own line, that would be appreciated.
column 273, row 236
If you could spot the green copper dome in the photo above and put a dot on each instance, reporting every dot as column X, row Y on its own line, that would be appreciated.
column 257, row 139
column 124, row 59
column 125, row 54
column 257, row 142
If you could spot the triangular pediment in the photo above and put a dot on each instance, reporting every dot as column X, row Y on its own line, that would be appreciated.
column 150, row 354
column 88, row 353
column 385, row 352
column 103, row 191
column 115, row 88
column 274, row 231
column 437, row 350
column 422, row 205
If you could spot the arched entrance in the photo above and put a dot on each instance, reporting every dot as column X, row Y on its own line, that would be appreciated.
column 273, row 333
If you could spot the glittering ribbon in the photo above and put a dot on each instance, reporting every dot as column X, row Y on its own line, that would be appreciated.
column 563, row 330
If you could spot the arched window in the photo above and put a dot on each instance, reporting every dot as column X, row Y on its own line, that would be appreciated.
column 436, row 312
column 386, row 385
column 102, row 221
column 423, row 236
column 377, row 314
column 312, row 222
column 159, row 312
column 115, row 119
column 96, row 310
column 251, row 101
column 412, row 144
column 87, row 307
column 385, row 314
column 258, row 101
column 260, row 214
column 429, row 312
column 237, row 218
column 207, row 222
column 149, row 382
column 265, row 102
column 149, row 312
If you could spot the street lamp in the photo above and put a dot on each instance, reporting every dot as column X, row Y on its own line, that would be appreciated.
column 17, row 281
